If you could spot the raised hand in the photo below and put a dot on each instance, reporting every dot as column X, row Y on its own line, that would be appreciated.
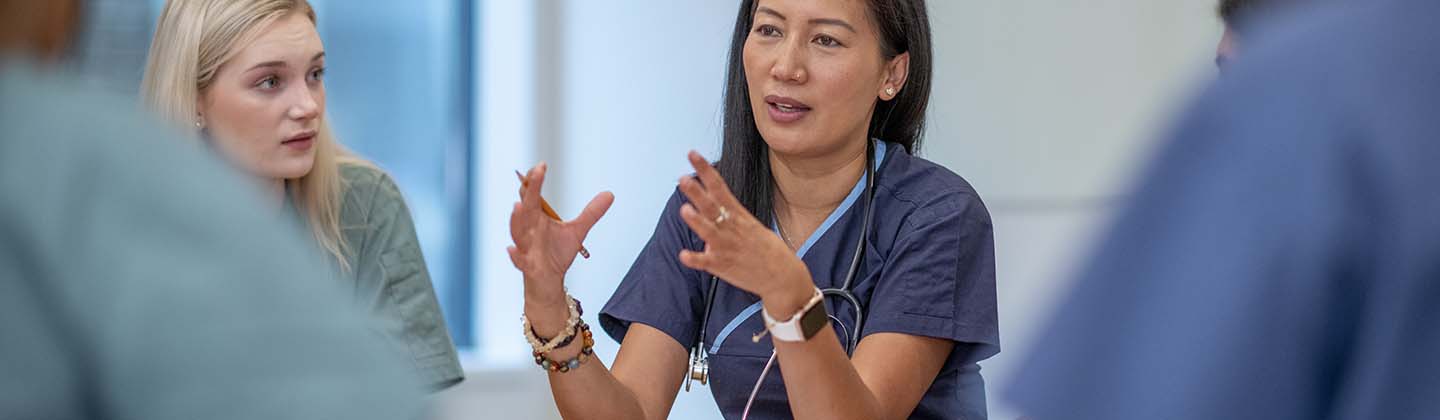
column 544, row 248
column 738, row 248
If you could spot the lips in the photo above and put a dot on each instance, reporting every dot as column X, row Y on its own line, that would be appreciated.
column 786, row 110
column 300, row 141
column 302, row 136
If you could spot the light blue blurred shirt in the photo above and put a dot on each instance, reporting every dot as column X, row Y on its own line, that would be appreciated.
column 128, row 291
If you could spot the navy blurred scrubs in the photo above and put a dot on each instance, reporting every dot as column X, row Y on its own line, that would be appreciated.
column 929, row 270
column 1281, row 259
column 127, row 292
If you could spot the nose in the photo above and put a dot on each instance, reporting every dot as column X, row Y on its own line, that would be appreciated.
column 789, row 66
column 305, row 106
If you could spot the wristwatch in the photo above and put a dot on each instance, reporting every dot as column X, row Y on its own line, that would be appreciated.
column 801, row 326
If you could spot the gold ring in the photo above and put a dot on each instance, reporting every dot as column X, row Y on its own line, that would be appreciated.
column 724, row 215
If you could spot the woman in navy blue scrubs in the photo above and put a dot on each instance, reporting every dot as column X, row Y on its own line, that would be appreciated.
column 817, row 92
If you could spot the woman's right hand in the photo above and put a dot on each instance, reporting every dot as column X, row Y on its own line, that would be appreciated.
column 544, row 248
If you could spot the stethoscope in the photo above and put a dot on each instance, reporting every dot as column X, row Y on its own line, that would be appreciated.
column 700, row 357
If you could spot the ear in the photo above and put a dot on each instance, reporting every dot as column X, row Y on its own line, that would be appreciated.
column 199, row 111
column 897, row 70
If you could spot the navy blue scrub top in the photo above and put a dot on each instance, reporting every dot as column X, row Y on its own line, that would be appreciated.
column 928, row 270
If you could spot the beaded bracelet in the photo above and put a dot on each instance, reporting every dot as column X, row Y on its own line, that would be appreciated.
column 546, row 346
column 586, row 352
column 579, row 309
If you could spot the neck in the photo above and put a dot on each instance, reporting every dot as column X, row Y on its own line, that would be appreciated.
column 809, row 188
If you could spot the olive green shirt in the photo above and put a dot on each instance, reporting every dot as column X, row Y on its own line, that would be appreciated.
column 387, row 274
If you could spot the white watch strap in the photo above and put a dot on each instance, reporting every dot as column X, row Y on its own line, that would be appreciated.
column 789, row 329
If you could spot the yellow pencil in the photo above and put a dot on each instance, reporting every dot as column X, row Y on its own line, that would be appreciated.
column 550, row 211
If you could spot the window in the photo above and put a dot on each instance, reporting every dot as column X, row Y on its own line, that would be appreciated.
column 398, row 93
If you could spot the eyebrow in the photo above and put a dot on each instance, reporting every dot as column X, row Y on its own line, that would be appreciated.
column 818, row 21
column 278, row 63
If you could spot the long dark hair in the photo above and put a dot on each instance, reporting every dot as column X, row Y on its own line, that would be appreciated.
column 903, row 27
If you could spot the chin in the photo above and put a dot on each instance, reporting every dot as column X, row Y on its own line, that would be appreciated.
column 291, row 170
column 789, row 140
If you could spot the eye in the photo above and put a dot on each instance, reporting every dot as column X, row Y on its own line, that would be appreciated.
column 767, row 31
column 268, row 83
column 317, row 74
column 827, row 41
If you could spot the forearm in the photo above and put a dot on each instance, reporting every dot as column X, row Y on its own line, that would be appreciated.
column 587, row 392
column 820, row 380
column 591, row 392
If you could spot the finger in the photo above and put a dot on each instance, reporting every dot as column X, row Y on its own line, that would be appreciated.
column 519, row 224
column 715, row 185
column 592, row 212
column 696, row 193
column 517, row 259
column 524, row 223
column 534, row 180
column 695, row 260
column 702, row 225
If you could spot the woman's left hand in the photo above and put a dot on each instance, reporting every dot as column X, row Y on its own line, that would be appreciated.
column 738, row 248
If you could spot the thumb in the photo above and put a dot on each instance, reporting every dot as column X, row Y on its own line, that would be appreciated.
column 592, row 213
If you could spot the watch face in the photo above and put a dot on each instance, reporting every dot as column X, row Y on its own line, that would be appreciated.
column 813, row 320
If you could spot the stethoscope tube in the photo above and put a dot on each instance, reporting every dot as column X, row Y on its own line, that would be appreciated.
column 699, row 358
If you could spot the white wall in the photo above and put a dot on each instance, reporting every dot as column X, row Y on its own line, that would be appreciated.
column 1044, row 105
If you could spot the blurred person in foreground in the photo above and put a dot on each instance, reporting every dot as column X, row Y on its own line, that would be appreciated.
column 127, row 292
column 1280, row 258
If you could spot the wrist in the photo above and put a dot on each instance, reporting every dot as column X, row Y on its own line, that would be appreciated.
column 790, row 298
column 545, row 291
column 562, row 344
column 801, row 325
column 547, row 317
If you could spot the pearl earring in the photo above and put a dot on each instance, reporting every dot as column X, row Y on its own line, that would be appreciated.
column 199, row 123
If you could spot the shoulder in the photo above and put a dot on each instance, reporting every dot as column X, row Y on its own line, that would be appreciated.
column 1337, row 45
column 368, row 183
column 670, row 216
column 368, row 191
column 364, row 177
column 1309, row 93
column 927, row 192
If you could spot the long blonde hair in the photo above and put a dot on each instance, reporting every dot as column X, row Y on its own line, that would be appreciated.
column 193, row 39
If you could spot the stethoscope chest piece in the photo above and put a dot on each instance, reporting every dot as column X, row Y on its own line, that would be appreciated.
column 699, row 371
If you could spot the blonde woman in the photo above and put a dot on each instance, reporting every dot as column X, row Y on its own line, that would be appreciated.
column 248, row 76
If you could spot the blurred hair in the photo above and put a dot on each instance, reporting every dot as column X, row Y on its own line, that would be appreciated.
column 1231, row 10
column 902, row 26
column 193, row 39
column 40, row 28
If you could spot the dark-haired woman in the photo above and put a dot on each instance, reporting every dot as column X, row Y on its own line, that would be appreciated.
column 819, row 269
